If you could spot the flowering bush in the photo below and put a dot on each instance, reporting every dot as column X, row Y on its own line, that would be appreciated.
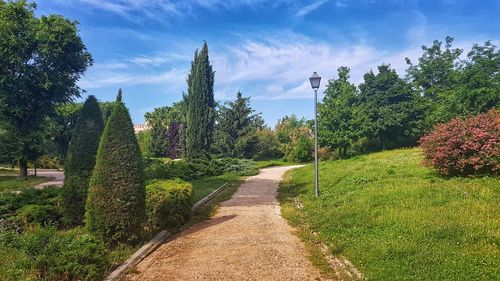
column 468, row 146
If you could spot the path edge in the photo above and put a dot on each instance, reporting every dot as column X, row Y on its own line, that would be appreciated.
column 159, row 238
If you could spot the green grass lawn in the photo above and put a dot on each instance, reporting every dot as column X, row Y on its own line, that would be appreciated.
column 202, row 187
column 397, row 220
column 10, row 183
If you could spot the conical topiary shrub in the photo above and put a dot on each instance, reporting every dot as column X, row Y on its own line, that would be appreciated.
column 115, row 209
column 81, row 161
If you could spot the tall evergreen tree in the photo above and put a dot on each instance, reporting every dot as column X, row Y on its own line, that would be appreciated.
column 236, row 129
column 337, row 121
column 115, row 207
column 81, row 161
column 200, row 117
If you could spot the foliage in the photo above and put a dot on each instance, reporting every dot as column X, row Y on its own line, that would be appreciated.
column 158, row 120
column 46, row 254
column 106, row 109
column 337, row 126
column 41, row 64
column 468, row 146
column 200, row 113
column 395, row 219
column 48, row 162
column 168, row 204
column 198, row 168
column 235, row 133
column 389, row 109
column 295, row 139
column 81, row 161
column 62, row 125
column 115, row 207
column 144, row 140
column 31, row 206
column 268, row 145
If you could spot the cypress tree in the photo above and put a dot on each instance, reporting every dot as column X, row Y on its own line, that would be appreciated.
column 119, row 96
column 115, row 207
column 200, row 119
column 80, row 161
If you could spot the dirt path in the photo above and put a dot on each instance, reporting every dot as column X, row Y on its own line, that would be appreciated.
column 57, row 177
column 246, row 240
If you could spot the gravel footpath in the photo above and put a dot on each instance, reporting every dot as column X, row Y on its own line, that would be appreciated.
column 246, row 240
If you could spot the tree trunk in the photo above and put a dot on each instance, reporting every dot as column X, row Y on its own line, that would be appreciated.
column 23, row 169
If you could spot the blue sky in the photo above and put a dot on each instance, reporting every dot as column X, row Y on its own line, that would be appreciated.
column 265, row 49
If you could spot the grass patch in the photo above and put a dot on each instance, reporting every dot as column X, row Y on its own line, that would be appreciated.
column 204, row 186
column 395, row 219
column 271, row 163
column 11, row 183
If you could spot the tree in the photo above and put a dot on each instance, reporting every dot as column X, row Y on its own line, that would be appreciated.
column 106, row 109
column 158, row 120
column 115, row 208
column 81, row 161
column 295, row 139
column 391, row 111
column 40, row 64
column 235, row 134
column 435, row 78
column 479, row 87
column 144, row 140
column 337, row 121
column 62, row 125
column 200, row 117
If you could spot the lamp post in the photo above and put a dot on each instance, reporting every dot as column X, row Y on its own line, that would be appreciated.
column 315, row 80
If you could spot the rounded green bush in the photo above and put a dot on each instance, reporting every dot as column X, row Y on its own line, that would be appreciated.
column 115, row 209
column 80, row 162
column 168, row 204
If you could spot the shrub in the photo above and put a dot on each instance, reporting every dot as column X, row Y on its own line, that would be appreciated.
column 168, row 204
column 48, row 162
column 80, row 162
column 31, row 206
column 468, row 146
column 157, row 169
column 300, row 150
column 38, row 215
column 52, row 255
column 115, row 209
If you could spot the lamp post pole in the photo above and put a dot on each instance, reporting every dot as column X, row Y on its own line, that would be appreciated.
column 316, row 181
column 315, row 80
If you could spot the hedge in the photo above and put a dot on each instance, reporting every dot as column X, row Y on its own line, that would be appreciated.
column 115, row 209
column 80, row 162
column 168, row 204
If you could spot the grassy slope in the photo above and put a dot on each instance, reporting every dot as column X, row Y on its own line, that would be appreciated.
column 395, row 219
column 271, row 163
column 10, row 183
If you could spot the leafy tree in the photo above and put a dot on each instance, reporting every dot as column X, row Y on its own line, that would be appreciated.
column 295, row 138
column 236, row 129
column 200, row 115
column 479, row 87
column 115, row 208
column 61, row 126
column 81, row 161
column 337, row 126
column 158, row 120
column 40, row 64
column 268, row 146
column 435, row 78
column 391, row 110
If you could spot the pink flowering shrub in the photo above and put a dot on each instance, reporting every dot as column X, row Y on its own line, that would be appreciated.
column 468, row 146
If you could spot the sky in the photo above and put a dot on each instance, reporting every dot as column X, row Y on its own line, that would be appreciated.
column 265, row 49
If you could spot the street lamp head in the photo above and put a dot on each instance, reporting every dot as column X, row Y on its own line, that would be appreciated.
column 315, row 80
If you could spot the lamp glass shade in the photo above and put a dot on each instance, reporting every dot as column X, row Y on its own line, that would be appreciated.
column 315, row 80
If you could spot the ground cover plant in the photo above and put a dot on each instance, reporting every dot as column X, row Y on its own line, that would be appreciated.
column 396, row 219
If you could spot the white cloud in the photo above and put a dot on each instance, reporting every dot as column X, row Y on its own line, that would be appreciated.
column 305, row 10
column 340, row 4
